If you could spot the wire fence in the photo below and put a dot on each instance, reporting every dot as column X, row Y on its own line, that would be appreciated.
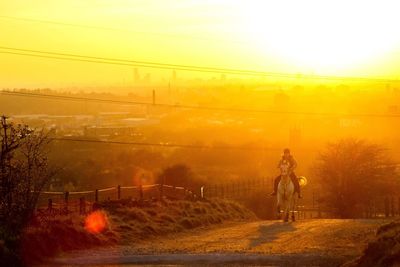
column 82, row 202
column 254, row 193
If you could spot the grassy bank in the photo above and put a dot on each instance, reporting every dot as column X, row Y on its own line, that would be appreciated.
column 133, row 222
column 122, row 222
column 384, row 250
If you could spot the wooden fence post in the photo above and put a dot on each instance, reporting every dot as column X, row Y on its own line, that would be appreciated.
column 161, row 191
column 50, row 204
column 319, row 211
column 141, row 192
column 313, row 199
column 398, row 206
column 66, row 196
column 386, row 207
column 96, row 195
column 82, row 206
column 392, row 205
column 119, row 192
column 298, row 212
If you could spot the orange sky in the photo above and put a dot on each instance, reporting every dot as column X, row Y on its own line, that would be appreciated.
column 357, row 38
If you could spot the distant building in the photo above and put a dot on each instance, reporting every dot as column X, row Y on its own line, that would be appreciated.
column 394, row 109
column 281, row 100
column 174, row 75
column 147, row 78
column 94, row 131
column 295, row 136
column 136, row 76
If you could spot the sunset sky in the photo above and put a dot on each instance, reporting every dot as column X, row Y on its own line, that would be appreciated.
column 347, row 38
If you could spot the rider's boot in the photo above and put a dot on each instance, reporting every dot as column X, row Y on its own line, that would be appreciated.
column 299, row 194
column 276, row 183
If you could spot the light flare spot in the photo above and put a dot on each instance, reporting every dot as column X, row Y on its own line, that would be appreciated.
column 96, row 222
column 302, row 181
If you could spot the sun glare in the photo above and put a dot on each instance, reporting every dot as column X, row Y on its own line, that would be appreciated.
column 320, row 35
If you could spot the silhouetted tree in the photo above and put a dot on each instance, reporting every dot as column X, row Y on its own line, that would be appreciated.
column 24, row 174
column 180, row 175
column 177, row 175
column 352, row 171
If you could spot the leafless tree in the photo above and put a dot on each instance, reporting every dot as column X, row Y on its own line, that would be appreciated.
column 352, row 172
column 24, row 174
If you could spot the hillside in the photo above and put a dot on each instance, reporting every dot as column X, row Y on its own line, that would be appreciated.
column 123, row 222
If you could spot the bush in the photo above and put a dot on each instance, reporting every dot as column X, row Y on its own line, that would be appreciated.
column 384, row 250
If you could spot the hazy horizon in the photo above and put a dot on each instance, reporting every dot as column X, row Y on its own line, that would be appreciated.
column 356, row 38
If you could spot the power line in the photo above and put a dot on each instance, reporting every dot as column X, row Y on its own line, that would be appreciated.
column 146, row 65
column 168, row 35
column 158, row 65
column 141, row 63
column 211, row 108
column 164, row 144
column 178, row 145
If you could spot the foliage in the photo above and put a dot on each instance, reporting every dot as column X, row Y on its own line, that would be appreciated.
column 351, row 172
column 24, row 174
column 180, row 175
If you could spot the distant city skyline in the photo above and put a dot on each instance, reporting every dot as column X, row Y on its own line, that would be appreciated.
column 353, row 38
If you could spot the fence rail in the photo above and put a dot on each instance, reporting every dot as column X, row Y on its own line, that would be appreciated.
column 85, row 201
column 311, row 206
column 242, row 191
column 239, row 189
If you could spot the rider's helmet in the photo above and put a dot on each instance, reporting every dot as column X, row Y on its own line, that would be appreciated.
column 286, row 150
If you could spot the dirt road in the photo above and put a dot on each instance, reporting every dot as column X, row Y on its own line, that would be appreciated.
column 327, row 242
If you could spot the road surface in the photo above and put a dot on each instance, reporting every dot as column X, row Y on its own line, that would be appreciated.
column 314, row 242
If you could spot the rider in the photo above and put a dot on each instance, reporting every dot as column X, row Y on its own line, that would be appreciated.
column 287, row 157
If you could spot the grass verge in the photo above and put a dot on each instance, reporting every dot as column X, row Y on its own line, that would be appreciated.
column 121, row 222
column 384, row 250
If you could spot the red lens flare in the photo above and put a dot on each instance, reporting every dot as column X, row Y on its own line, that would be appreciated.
column 96, row 222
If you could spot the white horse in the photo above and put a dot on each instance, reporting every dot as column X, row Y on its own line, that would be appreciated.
column 285, row 196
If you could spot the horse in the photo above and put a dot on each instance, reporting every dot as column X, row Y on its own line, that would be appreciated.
column 285, row 195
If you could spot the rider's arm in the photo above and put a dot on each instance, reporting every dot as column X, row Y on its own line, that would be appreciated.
column 279, row 164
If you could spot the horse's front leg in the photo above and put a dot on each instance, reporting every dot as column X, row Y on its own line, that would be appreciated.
column 292, row 208
column 278, row 208
column 286, row 219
